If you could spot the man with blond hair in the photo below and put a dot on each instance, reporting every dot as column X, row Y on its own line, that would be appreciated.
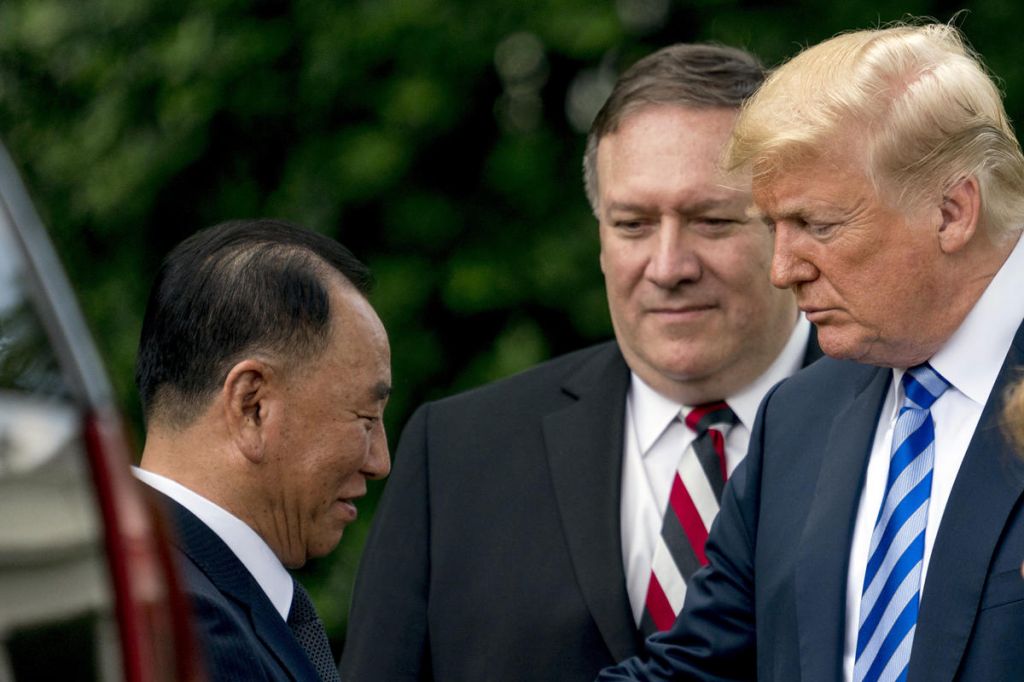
column 875, row 529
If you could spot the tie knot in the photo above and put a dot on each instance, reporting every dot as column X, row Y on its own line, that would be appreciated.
column 922, row 386
column 703, row 417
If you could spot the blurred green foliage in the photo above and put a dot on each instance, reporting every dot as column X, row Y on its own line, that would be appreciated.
column 439, row 139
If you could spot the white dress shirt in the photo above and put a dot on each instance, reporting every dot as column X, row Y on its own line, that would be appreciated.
column 254, row 553
column 970, row 361
column 655, row 440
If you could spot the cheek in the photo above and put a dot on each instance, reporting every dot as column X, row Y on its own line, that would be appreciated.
column 859, row 283
column 864, row 260
column 606, row 257
column 888, row 312
column 622, row 270
column 328, row 452
column 614, row 261
column 351, row 450
column 623, row 258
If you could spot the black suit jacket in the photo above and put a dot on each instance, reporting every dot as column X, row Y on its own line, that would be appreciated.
column 242, row 635
column 495, row 553
column 772, row 603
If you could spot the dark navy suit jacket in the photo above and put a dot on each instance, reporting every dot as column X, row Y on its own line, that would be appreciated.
column 496, row 553
column 242, row 635
column 772, row 604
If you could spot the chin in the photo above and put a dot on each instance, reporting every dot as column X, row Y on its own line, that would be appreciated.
column 325, row 544
column 838, row 345
column 837, row 351
column 696, row 363
column 857, row 351
column 294, row 563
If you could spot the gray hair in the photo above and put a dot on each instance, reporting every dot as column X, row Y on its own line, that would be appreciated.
column 701, row 75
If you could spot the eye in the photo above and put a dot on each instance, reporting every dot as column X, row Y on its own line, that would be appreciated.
column 821, row 230
column 369, row 421
column 629, row 225
column 714, row 225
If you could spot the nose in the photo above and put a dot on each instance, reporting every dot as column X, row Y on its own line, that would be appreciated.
column 790, row 265
column 378, row 462
column 673, row 260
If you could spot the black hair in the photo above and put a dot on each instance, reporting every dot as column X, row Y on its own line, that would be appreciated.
column 237, row 288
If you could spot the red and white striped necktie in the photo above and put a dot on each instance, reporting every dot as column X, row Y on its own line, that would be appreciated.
column 692, row 506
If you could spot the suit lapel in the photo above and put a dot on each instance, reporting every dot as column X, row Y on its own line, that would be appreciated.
column 825, row 544
column 216, row 560
column 986, row 490
column 584, row 446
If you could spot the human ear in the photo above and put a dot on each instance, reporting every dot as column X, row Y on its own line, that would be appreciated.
column 246, row 404
column 960, row 211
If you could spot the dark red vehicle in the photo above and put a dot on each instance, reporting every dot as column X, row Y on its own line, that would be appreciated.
column 87, row 587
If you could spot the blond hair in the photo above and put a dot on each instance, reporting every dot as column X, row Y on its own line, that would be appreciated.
column 929, row 113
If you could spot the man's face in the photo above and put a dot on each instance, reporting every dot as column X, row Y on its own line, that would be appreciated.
column 865, row 273
column 686, row 268
column 331, row 437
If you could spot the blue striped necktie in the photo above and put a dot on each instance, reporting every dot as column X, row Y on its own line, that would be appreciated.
column 892, row 581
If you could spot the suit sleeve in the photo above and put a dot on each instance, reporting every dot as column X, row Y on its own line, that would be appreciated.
column 387, row 628
column 714, row 636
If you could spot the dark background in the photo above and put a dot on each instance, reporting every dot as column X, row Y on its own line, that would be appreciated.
column 439, row 139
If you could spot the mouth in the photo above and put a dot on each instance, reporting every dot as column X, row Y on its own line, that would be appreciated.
column 814, row 314
column 348, row 506
column 681, row 311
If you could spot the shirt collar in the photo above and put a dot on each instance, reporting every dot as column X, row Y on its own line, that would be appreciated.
column 254, row 553
column 971, row 359
column 653, row 412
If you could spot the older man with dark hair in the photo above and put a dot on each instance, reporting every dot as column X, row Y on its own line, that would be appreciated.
column 536, row 528
column 875, row 530
column 264, row 373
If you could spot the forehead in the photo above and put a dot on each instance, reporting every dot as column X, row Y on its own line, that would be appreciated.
column 831, row 179
column 358, row 337
column 667, row 147
column 657, row 127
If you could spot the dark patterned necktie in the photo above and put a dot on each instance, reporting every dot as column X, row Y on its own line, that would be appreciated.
column 310, row 633
column 693, row 504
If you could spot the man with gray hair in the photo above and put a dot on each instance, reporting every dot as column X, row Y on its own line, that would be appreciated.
column 537, row 528
column 263, row 372
column 875, row 530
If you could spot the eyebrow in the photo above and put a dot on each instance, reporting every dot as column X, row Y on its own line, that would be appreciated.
column 803, row 209
column 798, row 211
column 695, row 207
column 381, row 391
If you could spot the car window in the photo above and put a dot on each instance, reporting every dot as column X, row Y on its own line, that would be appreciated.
column 56, row 603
